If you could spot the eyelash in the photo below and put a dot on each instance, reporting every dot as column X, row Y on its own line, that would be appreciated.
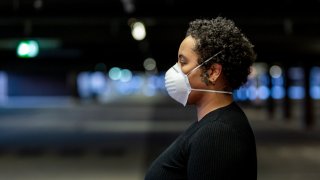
column 182, row 62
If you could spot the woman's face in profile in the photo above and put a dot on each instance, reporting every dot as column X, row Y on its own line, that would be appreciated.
column 188, row 60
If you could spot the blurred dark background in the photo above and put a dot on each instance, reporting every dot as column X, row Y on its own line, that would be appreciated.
column 82, row 33
column 81, row 98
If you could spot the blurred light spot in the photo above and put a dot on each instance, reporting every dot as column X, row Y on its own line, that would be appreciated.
column 38, row 4
column 151, row 82
column 115, row 73
column 252, row 93
column 277, row 92
column 137, row 81
column 160, row 83
column 97, row 82
column 260, row 68
column 149, row 64
column 275, row 71
column 125, row 88
column 315, row 92
column 263, row 92
column 315, row 76
column 149, row 91
column 296, row 73
column 138, row 31
column 264, row 79
column 279, row 81
column 3, row 87
column 128, row 6
column 253, row 72
column 296, row 92
column 126, row 75
column 28, row 49
column 83, row 82
column 241, row 94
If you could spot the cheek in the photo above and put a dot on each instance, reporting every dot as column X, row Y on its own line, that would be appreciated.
column 186, row 68
column 196, row 80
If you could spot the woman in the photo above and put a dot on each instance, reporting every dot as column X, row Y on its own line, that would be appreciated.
column 214, row 59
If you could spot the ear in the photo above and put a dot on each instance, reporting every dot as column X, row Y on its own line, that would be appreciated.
column 214, row 72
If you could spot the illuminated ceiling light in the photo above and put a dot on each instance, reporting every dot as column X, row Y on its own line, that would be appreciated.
column 138, row 31
column 28, row 49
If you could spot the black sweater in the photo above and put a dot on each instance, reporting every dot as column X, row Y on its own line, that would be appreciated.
column 220, row 147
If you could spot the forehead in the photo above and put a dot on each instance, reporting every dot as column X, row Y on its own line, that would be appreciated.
column 187, row 47
column 188, row 43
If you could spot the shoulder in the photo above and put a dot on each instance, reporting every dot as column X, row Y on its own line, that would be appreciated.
column 229, row 124
column 233, row 111
column 226, row 114
column 215, row 128
column 230, row 118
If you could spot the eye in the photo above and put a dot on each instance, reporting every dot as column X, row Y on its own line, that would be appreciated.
column 182, row 61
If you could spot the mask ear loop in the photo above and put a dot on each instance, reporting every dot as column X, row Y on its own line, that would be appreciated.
column 204, row 62
column 207, row 90
column 214, row 91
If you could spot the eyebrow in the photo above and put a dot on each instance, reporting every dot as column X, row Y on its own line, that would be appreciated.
column 182, row 56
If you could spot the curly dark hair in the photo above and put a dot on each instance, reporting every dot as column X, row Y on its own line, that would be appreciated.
column 221, row 34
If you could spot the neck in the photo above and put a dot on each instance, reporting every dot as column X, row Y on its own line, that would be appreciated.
column 212, row 101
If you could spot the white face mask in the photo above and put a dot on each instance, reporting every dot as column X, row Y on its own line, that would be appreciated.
column 178, row 86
